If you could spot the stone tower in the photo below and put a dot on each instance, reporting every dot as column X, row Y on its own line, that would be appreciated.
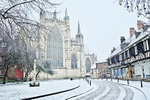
column 66, row 18
column 79, row 36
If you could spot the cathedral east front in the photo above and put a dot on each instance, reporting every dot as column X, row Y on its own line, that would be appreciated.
column 67, row 55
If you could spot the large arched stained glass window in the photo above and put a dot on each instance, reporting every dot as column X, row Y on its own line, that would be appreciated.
column 55, row 47
column 88, row 65
column 73, row 61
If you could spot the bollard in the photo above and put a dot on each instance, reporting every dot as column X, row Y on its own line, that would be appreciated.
column 127, row 81
column 118, row 80
column 141, row 84
column 106, row 78
column 111, row 79
column 90, row 82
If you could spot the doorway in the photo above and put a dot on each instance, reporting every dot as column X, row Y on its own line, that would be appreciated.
column 143, row 72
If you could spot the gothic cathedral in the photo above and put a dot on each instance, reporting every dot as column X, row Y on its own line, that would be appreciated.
column 66, row 55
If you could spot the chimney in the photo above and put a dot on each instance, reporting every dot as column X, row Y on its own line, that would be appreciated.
column 132, row 31
column 122, row 39
column 113, row 50
column 139, row 24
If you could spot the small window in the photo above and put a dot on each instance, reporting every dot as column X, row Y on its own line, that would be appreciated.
column 107, row 69
column 117, row 58
column 122, row 56
column 100, row 69
column 108, row 62
column 98, row 64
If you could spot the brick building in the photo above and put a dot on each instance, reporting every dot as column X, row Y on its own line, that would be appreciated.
column 100, row 70
column 103, row 69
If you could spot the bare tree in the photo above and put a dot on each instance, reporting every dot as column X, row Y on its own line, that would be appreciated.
column 44, row 66
column 17, row 25
column 142, row 6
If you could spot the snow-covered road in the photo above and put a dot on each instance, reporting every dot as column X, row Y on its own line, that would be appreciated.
column 112, row 91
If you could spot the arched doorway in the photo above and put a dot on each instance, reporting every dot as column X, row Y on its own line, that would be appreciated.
column 73, row 61
column 88, row 65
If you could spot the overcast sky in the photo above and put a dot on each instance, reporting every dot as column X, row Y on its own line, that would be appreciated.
column 102, row 23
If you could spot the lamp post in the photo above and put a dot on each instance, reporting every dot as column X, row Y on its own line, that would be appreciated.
column 34, row 69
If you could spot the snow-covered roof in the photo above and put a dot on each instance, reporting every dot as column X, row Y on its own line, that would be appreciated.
column 101, row 61
column 138, row 38
column 117, row 50
column 94, row 66
column 131, row 40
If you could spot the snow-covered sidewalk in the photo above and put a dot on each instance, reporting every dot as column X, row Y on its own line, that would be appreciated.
column 20, row 91
column 137, row 84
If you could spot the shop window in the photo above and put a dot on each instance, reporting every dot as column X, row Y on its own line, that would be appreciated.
column 121, row 71
column 114, row 72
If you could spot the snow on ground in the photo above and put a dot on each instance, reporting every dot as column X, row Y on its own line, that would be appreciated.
column 137, row 84
column 95, row 87
column 122, row 94
column 20, row 91
column 84, row 87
